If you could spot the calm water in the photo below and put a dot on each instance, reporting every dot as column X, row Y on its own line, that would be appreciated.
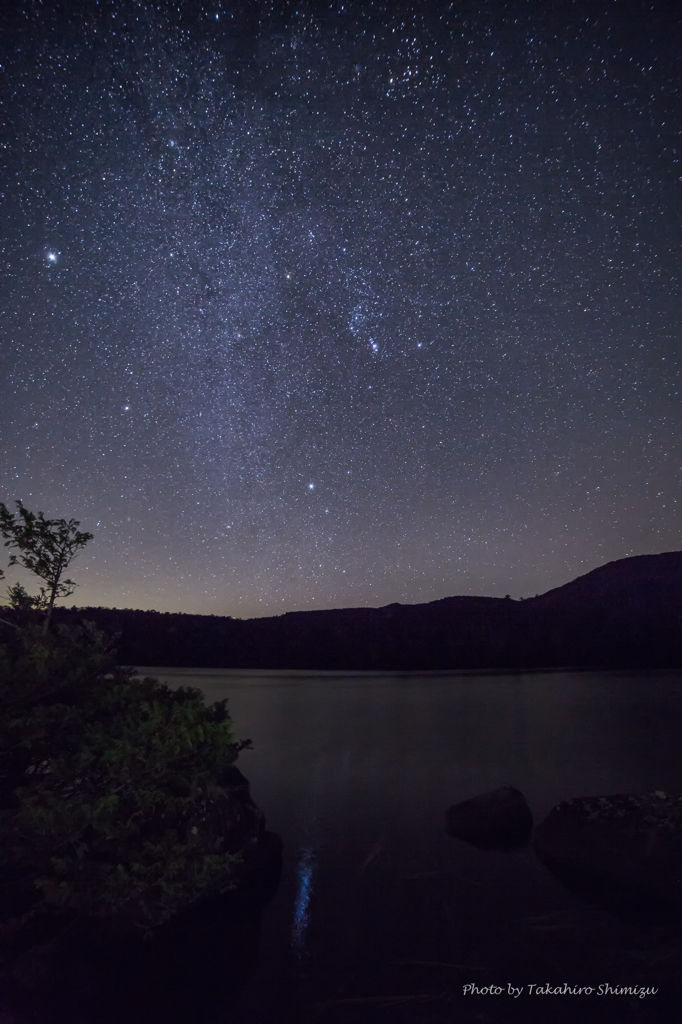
column 380, row 915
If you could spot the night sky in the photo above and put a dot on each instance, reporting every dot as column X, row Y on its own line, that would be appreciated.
column 322, row 305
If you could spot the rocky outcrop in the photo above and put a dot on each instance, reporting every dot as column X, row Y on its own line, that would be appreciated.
column 619, row 850
column 230, row 812
column 500, row 819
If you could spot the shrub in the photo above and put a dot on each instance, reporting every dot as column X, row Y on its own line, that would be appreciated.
column 101, row 774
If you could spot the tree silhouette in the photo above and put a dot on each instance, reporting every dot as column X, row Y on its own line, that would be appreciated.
column 46, row 548
column 116, row 793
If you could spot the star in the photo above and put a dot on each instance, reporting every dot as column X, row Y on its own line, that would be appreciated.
column 258, row 234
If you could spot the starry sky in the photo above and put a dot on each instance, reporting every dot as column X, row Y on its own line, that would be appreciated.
column 311, row 305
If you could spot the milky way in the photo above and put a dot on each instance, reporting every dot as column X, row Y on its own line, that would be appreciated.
column 344, row 304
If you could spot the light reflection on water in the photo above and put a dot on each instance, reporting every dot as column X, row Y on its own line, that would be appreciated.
column 308, row 841
column 305, row 870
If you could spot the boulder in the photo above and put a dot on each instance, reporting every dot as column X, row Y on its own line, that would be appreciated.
column 500, row 819
column 231, row 812
column 623, row 851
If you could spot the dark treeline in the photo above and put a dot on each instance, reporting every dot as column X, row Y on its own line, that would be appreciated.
column 625, row 614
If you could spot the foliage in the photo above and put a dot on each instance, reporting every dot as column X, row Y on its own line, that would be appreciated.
column 19, row 599
column 101, row 778
column 46, row 548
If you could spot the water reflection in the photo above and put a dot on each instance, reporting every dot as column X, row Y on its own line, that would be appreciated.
column 382, row 916
column 305, row 870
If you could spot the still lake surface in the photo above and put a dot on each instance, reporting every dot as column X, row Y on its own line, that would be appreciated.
column 380, row 916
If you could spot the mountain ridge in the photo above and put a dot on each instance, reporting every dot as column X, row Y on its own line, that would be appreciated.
column 626, row 613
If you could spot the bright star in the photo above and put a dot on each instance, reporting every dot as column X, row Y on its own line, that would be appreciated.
column 311, row 487
column 51, row 257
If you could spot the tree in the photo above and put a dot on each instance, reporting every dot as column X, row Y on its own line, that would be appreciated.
column 46, row 548
column 115, row 792
column 19, row 599
column 108, row 784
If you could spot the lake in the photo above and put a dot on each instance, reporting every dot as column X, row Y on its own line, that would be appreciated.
column 382, row 917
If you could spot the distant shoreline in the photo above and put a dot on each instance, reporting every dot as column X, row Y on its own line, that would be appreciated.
column 623, row 615
column 274, row 673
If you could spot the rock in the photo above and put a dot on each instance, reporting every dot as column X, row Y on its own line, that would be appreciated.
column 500, row 819
column 264, row 868
column 232, row 813
column 623, row 851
